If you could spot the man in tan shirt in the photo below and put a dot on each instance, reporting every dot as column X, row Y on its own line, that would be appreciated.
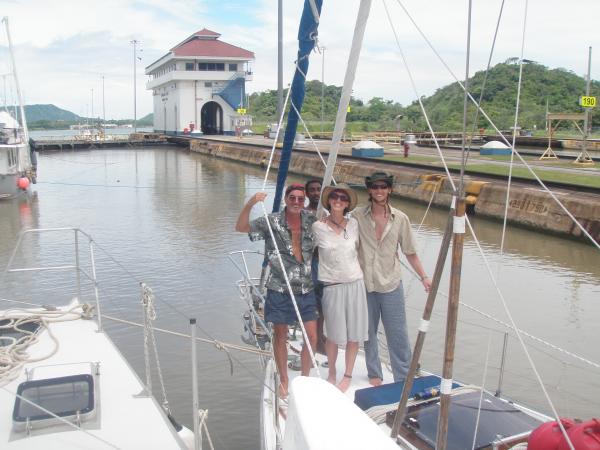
column 382, row 230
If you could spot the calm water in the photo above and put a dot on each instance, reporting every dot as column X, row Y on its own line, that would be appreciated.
column 167, row 217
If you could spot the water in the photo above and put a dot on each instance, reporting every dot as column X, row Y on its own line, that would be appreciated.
column 167, row 216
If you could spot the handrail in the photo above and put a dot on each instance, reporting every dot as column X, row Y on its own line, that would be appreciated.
column 78, row 270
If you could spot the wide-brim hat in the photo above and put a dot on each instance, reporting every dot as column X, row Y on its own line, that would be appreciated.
column 380, row 176
column 340, row 187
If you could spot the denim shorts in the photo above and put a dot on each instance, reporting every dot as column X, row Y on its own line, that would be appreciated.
column 279, row 309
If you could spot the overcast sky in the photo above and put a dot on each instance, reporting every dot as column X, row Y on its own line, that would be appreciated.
column 63, row 48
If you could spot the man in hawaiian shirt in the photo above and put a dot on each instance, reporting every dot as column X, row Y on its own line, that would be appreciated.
column 292, row 229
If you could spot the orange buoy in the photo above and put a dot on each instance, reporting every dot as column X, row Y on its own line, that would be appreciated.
column 23, row 183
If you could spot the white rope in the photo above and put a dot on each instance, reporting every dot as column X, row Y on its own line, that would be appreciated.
column 340, row 120
column 202, row 425
column 150, row 316
column 417, row 94
column 279, row 123
column 514, row 139
column 506, row 325
column 312, row 141
column 485, row 368
column 218, row 344
column 291, row 292
column 426, row 212
column 14, row 355
column 314, row 10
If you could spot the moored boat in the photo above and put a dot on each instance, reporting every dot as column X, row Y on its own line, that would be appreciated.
column 63, row 383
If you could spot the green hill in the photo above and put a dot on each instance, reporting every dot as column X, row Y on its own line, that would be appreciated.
column 559, row 87
column 36, row 113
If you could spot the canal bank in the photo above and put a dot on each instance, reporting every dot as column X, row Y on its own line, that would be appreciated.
column 529, row 206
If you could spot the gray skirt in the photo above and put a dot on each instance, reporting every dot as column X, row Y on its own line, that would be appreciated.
column 345, row 312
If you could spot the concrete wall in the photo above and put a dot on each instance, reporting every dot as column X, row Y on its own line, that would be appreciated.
column 528, row 207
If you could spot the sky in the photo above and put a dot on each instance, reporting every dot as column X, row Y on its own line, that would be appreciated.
column 63, row 48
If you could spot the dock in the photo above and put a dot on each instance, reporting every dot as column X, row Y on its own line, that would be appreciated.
column 91, row 142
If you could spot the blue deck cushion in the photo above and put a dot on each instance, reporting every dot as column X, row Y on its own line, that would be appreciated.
column 387, row 394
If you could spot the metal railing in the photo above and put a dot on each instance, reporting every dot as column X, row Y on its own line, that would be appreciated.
column 75, row 267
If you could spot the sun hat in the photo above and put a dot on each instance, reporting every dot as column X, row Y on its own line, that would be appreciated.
column 380, row 176
column 340, row 187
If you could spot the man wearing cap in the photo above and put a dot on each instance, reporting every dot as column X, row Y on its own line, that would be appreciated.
column 383, row 229
column 292, row 229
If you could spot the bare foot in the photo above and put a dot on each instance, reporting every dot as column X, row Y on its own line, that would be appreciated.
column 344, row 383
column 332, row 378
column 283, row 392
column 375, row 381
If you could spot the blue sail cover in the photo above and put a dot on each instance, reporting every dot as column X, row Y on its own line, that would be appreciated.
column 306, row 42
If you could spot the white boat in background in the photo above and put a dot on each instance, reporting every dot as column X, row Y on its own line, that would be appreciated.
column 63, row 383
column 17, row 163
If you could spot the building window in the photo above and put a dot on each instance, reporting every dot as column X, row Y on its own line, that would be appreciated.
column 212, row 67
column 189, row 66
column 233, row 67
column 208, row 84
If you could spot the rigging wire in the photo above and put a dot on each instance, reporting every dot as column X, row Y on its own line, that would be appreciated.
column 514, row 138
column 490, row 121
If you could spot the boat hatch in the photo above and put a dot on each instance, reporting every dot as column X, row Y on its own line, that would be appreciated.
column 71, row 398
column 499, row 419
column 10, row 331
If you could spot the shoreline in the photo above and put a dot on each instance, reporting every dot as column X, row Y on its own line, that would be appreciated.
column 529, row 207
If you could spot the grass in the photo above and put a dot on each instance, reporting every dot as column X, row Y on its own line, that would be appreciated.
column 544, row 175
column 475, row 165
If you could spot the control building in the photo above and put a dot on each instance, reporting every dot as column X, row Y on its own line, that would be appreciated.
column 200, row 86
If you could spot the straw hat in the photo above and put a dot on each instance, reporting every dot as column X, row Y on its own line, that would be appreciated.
column 340, row 187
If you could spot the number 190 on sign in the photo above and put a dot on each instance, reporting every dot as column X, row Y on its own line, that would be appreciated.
column 588, row 102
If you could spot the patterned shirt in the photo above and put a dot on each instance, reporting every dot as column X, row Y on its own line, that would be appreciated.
column 298, row 273
column 379, row 259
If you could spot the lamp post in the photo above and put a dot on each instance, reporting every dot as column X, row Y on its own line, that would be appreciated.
column 103, row 110
column 92, row 115
column 134, row 42
column 322, row 87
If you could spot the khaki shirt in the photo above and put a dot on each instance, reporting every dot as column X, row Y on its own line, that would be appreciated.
column 379, row 259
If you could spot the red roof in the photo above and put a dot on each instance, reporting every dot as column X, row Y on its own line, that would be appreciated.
column 206, row 43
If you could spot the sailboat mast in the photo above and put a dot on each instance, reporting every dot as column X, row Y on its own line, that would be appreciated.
column 23, row 159
column 340, row 120
column 455, row 271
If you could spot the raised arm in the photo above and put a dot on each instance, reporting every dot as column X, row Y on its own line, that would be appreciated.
column 243, row 223
column 415, row 262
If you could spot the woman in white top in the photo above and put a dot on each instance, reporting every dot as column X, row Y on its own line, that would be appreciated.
column 344, row 296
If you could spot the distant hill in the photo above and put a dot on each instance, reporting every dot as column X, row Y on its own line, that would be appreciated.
column 559, row 87
column 36, row 113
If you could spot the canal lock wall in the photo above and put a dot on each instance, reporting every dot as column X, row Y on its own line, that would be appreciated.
column 528, row 206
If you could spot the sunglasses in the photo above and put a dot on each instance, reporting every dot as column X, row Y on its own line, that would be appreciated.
column 340, row 197
column 294, row 199
column 378, row 186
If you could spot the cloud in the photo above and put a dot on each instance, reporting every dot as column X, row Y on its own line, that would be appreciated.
column 63, row 48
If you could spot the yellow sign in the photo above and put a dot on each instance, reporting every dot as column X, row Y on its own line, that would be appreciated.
column 241, row 110
column 587, row 102
column 349, row 109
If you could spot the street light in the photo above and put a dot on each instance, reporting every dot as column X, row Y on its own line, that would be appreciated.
column 103, row 110
column 322, row 88
column 135, row 43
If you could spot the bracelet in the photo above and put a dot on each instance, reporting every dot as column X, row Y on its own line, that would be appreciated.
column 424, row 277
